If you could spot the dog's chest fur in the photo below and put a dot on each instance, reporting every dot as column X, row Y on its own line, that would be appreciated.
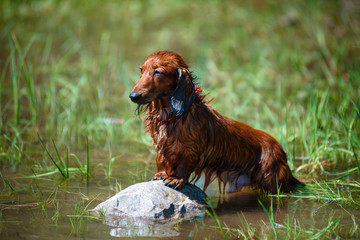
column 156, row 124
column 160, row 136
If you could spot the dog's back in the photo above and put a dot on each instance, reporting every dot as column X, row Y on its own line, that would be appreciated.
column 239, row 155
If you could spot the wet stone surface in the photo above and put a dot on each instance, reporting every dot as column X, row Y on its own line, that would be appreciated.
column 151, row 203
column 155, row 201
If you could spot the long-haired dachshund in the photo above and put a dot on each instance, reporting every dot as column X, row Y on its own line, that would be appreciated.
column 192, row 137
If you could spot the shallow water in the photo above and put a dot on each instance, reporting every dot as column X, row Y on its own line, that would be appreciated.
column 30, row 212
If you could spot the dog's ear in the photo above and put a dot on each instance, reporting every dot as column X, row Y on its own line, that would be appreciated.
column 183, row 95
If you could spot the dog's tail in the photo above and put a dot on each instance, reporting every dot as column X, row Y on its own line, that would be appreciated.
column 295, row 184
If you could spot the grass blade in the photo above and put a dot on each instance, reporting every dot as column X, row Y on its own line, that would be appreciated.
column 26, row 72
column 7, row 182
column 357, row 109
column 15, row 83
column 58, row 155
column 67, row 162
column 87, row 160
column 57, row 166
column 214, row 216
column 319, row 234
column 355, row 155
column 2, row 79
column 270, row 215
column 79, row 164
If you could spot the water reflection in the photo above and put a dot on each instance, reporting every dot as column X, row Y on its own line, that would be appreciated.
column 136, row 227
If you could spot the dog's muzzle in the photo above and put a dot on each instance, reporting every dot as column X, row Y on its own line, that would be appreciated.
column 135, row 97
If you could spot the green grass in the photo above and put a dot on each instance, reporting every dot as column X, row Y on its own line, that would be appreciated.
column 67, row 67
column 342, row 193
column 270, row 215
column 64, row 170
column 6, row 182
column 291, row 229
column 80, row 219
column 216, row 219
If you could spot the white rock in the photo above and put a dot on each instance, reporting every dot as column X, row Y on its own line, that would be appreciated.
column 151, row 204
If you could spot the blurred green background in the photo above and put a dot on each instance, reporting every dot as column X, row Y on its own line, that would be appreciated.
column 290, row 68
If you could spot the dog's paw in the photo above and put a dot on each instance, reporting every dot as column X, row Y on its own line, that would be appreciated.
column 160, row 176
column 175, row 183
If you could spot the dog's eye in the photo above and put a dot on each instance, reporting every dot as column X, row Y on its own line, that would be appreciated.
column 141, row 70
column 157, row 73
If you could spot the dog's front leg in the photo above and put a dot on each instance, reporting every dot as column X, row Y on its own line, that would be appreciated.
column 178, row 170
column 174, row 176
column 161, row 174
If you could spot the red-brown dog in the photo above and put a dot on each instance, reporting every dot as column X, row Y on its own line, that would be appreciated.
column 192, row 137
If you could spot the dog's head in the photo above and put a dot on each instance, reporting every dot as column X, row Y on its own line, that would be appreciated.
column 165, row 75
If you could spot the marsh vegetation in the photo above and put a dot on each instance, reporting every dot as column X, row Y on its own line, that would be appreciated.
column 70, row 137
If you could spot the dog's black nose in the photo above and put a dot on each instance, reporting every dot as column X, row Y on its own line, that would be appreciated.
column 134, row 96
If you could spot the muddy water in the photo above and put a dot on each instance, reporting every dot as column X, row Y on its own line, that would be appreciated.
column 46, row 207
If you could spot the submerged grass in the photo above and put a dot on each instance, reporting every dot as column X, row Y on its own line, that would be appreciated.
column 296, row 231
column 289, row 68
column 270, row 215
column 291, row 229
column 217, row 221
column 79, row 220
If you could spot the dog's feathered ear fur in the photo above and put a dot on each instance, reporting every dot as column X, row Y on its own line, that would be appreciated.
column 184, row 94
